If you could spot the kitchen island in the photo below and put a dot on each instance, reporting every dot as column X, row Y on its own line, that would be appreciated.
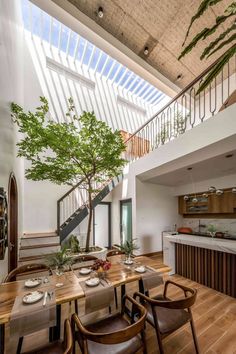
column 208, row 261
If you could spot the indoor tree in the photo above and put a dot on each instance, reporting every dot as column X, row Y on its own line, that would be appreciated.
column 82, row 150
column 226, row 38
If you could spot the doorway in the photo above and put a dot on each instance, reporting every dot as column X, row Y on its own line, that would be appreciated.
column 13, row 223
column 102, row 225
column 125, row 220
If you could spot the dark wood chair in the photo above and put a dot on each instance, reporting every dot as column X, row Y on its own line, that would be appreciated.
column 24, row 269
column 58, row 347
column 167, row 315
column 114, row 252
column 78, row 260
column 114, row 334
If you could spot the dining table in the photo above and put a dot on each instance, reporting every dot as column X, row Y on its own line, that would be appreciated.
column 118, row 275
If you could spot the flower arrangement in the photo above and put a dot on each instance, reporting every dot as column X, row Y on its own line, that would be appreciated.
column 101, row 265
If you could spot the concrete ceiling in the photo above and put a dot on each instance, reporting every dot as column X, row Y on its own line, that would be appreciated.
column 219, row 166
column 160, row 25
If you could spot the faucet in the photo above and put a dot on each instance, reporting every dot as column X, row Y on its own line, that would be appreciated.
column 200, row 226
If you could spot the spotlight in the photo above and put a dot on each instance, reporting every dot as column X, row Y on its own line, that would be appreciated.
column 100, row 12
column 234, row 190
column 219, row 192
column 186, row 197
column 211, row 189
column 146, row 51
column 195, row 200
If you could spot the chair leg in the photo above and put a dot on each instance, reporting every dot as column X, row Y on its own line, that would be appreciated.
column 143, row 335
column 161, row 349
column 19, row 346
column 116, row 300
column 76, row 307
column 194, row 337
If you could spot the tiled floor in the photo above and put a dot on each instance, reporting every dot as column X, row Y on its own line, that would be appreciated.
column 215, row 320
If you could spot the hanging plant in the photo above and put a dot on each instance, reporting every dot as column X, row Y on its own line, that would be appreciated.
column 225, row 38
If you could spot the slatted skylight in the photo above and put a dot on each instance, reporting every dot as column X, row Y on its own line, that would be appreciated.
column 86, row 54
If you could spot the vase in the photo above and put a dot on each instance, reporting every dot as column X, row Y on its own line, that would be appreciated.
column 101, row 274
column 59, row 270
column 128, row 259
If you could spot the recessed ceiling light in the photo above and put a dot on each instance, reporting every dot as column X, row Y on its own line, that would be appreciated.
column 146, row 51
column 189, row 168
column 100, row 12
column 228, row 156
column 179, row 77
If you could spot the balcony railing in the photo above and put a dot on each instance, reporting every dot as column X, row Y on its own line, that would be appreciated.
column 183, row 112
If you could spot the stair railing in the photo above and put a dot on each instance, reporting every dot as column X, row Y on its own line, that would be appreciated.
column 185, row 111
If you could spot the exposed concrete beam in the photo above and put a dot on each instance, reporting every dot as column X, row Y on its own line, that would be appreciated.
column 70, row 16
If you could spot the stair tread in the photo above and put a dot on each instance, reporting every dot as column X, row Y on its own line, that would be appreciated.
column 40, row 235
column 40, row 246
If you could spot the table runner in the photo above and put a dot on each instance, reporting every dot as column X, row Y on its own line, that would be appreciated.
column 98, row 297
column 151, row 279
column 29, row 318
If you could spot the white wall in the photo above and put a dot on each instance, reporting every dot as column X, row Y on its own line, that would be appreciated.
column 156, row 211
column 11, row 88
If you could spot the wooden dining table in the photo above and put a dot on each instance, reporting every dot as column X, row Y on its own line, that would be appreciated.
column 118, row 275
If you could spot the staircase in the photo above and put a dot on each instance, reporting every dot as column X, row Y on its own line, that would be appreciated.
column 34, row 248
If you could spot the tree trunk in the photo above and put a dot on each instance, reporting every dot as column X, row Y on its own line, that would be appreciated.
column 90, row 218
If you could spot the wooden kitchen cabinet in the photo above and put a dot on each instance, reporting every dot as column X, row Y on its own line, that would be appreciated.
column 224, row 204
column 221, row 203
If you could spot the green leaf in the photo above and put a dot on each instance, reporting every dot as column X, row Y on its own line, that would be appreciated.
column 216, row 41
column 228, row 41
column 217, row 68
column 204, row 34
column 202, row 8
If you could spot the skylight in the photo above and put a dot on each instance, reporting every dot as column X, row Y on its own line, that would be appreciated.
column 86, row 54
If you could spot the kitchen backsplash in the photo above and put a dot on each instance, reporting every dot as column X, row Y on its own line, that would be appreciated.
column 223, row 225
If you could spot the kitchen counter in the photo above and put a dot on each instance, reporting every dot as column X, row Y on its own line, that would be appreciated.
column 217, row 244
column 208, row 261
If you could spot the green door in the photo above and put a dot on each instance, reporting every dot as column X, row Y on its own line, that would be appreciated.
column 125, row 220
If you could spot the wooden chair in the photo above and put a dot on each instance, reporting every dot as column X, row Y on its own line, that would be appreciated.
column 28, row 268
column 58, row 347
column 81, row 259
column 114, row 252
column 167, row 315
column 114, row 334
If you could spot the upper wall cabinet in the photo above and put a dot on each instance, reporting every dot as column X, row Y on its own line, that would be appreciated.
column 213, row 204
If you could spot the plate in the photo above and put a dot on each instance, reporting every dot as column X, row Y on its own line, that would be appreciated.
column 31, row 283
column 92, row 282
column 33, row 297
column 85, row 271
column 140, row 269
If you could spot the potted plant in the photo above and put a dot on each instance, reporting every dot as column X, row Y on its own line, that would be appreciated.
column 128, row 247
column 211, row 229
column 73, row 244
column 60, row 261
column 83, row 150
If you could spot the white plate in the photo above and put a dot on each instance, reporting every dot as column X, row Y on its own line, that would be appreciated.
column 140, row 269
column 85, row 271
column 31, row 283
column 33, row 297
column 128, row 262
column 92, row 282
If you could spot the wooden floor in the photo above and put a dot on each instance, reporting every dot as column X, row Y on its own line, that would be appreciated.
column 214, row 315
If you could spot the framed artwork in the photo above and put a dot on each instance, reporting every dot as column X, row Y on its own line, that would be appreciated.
column 3, row 223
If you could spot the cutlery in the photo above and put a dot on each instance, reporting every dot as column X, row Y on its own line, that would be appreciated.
column 102, row 283
column 50, row 294
column 45, row 298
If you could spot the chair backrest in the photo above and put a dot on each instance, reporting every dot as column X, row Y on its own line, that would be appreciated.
column 28, row 268
column 84, row 258
column 116, row 337
column 114, row 252
column 68, row 338
column 184, row 303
